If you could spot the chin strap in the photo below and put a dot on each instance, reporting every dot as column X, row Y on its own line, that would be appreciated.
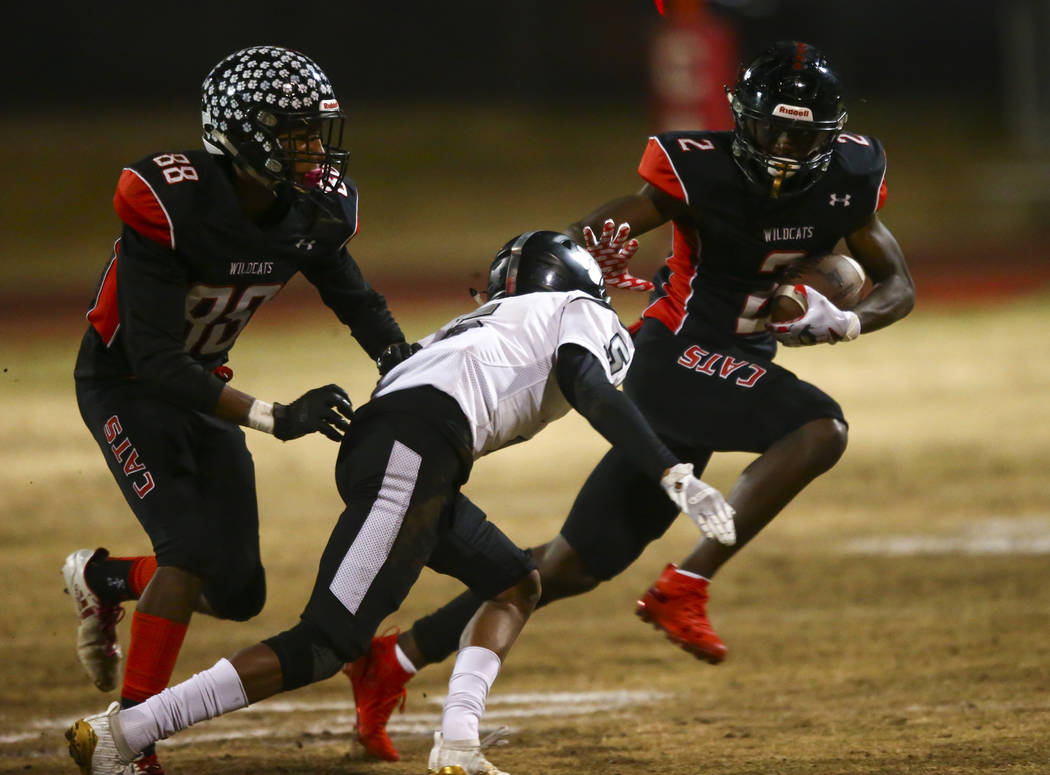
column 214, row 139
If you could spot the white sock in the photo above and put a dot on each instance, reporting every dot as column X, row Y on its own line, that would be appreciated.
column 691, row 575
column 206, row 695
column 404, row 661
column 476, row 668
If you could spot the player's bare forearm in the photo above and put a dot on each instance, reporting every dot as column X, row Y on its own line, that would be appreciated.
column 325, row 410
column 893, row 292
column 233, row 405
column 639, row 210
column 889, row 301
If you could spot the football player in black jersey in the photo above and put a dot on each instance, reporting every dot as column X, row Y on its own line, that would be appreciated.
column 786, row 183
column 209, row 236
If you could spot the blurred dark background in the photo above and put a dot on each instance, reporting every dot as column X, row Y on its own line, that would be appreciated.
column 519, row 49
column 472, row 121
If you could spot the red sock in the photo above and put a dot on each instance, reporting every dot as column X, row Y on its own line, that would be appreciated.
column 140, row 572
column 152, row 653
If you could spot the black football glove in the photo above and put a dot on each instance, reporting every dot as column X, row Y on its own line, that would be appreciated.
column 325, row 409
column 394, row 354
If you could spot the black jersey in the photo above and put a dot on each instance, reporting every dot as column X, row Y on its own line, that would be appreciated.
column 727, row 252
column 190, row 269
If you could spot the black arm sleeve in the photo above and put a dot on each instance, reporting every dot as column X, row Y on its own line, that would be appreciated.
column 355, row 302
column 583, row 382
column 152, row 301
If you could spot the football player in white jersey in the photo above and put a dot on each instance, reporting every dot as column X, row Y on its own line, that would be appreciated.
column 545, row 340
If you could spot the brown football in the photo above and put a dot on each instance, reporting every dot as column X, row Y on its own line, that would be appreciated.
column 838, row 277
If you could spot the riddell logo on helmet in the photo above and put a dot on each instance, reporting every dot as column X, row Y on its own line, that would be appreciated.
column 329, row 104
column 793, row 112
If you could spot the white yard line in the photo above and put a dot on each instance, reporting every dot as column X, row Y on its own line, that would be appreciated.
column 338, row 721
column 998, row 535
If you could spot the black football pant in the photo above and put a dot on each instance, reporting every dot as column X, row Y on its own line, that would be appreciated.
column 190, row 481
column 399, row 471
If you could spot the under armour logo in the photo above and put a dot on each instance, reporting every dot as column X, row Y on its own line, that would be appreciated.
column 308, row 244
column 836, row 199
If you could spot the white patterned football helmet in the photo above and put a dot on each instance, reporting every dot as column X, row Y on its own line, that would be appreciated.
column 274, row 113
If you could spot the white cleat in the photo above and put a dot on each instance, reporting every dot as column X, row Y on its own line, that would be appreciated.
column 98, row 748
column 459, row 757
column 97, row 644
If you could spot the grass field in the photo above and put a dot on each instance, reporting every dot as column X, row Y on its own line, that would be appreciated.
column 895, row 619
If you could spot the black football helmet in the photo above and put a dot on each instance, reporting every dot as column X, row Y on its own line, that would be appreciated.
column 788, row 109
column 544, row 261
column 274, row 113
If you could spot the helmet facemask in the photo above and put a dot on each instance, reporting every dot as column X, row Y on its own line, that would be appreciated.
column 778, row 150
column 308, row 151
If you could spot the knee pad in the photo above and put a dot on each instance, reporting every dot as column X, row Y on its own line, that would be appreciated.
column 238, row 604
column 305, row 656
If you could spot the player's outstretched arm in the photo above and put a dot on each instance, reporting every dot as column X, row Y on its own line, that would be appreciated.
column 358, row 305
column 324, row 410
column 645, row 211
column 583, row 382
column 611, row 245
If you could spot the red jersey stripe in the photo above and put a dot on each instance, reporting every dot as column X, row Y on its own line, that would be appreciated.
column 139, row 207
column 670, row 308
column 656, row 168
column 104, row 316
column 882, row 195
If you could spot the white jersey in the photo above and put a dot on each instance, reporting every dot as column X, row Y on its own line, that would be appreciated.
column 498, row 361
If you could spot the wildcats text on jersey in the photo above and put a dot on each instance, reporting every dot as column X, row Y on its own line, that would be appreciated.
column 251, row 267
column 784, row 233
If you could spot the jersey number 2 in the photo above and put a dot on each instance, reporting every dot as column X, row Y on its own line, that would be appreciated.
column 751, row 320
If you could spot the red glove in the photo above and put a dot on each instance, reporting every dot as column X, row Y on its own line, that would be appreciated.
column 612, row 251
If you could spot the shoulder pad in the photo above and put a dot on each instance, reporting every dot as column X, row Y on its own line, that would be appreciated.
column 862, row 160
column 860, row 154
column 343, row 200
column 160, row 192
column 332, row 215
column 675, row 160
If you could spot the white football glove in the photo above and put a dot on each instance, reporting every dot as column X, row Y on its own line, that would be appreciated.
column 701, row 502
column 823, row 323
column 612, row 251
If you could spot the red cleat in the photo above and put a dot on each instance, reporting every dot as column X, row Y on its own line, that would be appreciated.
column 677, row 604
column 379, row 686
